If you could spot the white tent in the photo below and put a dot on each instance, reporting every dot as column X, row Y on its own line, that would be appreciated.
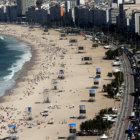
column 103, row 137
column 115, row 109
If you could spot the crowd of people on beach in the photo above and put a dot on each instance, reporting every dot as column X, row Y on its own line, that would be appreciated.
column 42, row 68
column 49, row 53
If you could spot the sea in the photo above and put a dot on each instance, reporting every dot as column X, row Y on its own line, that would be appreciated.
column 13, row 55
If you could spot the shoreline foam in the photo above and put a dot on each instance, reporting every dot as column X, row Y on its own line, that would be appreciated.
column 16, row 67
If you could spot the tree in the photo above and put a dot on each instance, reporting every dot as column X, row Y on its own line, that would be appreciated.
column 113, row 88
column 97, row 124
column 111, row 54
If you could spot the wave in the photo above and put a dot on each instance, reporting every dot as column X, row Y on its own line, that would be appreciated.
column 22, row 55
column 1, row 38
column 17, row 66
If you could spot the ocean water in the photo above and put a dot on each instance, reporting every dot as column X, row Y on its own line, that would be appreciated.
column 13, row 55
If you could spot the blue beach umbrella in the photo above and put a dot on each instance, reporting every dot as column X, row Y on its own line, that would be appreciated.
column 11, row 126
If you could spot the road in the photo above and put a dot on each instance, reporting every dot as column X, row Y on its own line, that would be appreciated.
column 126, row 106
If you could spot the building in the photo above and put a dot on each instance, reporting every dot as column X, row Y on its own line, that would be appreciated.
column 101, row 16
column 2, row 13
column 137, row 23
column 23, row 5
column 113, row 16
column 55, row 13
column 11, row 13
column 35, row 15
column 81, row 16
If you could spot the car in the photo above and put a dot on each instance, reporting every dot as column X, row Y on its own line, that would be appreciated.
column 117, row 58
column 116, row 63
column 108, row 47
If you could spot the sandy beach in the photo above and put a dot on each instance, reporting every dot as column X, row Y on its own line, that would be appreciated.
column 48, row 55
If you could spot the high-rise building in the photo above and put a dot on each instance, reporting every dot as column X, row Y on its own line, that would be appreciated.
column 23, row 5
column 19, row 8
column 137, row 23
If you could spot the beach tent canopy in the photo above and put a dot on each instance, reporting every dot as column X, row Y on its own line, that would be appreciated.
column 54, row 79
column 82, row 105
column 46, row 91
column 95, row 78
column 72, row 124
column 104, row 137
column 91, row 90
column 61, row 70
column 97, row 68
column 11, row 126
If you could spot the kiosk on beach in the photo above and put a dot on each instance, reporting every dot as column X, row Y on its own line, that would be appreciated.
column 73, row 41
column 91, row 95
column 61, row 74
column 80, row 49
column 95, row 82
column 82, row 111
column 46, row 96
column 12, row 132
column 63, row 36
column 54, row 84
column 86, row 60
column 29, row 113
column 12, row 128
column 72, row 131
column 98, row 72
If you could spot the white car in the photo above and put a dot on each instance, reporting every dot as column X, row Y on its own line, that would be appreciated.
column 116, row 70
column 108, row 47
column 116, row 63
